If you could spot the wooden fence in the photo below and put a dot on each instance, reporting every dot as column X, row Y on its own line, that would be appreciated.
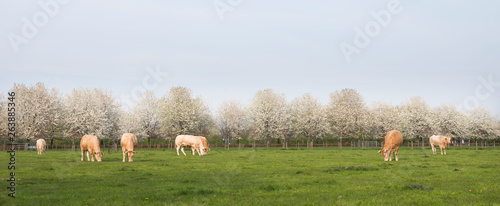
column 346, row 145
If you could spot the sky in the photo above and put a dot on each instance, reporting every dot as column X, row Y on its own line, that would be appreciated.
column 446, row 52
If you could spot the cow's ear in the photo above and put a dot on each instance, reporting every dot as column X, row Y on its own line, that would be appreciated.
column 124, row 151
column 102, row 154
column 135, row 152
column 379, row 151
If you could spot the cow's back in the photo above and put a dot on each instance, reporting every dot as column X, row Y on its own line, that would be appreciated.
column 40, row 142
column 187, row 140
column 393, row 138
column 89, row 142
column 128, row 140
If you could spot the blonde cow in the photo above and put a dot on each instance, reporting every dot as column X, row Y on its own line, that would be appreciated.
column 128, row 142
column 40, row 146
column 194, row 142
column 441, row 141
column 90, row 143
column 393, row 140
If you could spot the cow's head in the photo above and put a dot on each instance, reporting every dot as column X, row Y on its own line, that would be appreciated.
column 130, row 155
column 98, row 155
column 385, row 153
column 204, row 151
column 448, row 140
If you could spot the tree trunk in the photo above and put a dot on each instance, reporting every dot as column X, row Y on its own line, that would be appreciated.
column 423, row 143
column 494, row 145
column 412, row 145
column 476, row 144
column 253, row 145
column 307, row 142
column 73, row 145
column 149, row 143
column 312, row 144
column 340, row 144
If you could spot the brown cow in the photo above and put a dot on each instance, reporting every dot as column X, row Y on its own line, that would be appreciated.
column 40, row 146
column 90, row 143
column 442, row 141
column 393, row 140
column 194, row 142
column 128, row 141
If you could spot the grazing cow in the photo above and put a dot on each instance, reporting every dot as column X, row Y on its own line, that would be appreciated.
column 442, row 141
column 40, row 146
column 393, row 140
column 194, row 142
column 205, row 144
column 90, row 143
column 128, row 141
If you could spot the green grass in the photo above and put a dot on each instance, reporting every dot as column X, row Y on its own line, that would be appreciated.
column 264, row 177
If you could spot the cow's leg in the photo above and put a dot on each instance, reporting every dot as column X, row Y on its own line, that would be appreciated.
column 182, row 150
column 441, row 148
column 433, row 149
column 444, row 148
column 396, row 153
column 390, row 155
column 177, row 148
column 91, row 152
column 123, row 152
column 83, row 155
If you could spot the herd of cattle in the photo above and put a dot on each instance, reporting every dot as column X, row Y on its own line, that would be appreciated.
column 90, row 144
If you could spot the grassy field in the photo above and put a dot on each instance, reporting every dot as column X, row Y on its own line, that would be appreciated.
column 262, row 177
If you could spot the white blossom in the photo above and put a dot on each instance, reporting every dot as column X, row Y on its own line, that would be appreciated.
column 309, row 118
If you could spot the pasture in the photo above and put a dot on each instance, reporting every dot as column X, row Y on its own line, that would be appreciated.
column 262, row 177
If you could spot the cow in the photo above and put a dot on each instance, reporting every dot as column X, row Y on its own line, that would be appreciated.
column 128, row 141
column 90, row 143
column 441, row 141
column 194, row 142
column 40, row 146
column 393, row 140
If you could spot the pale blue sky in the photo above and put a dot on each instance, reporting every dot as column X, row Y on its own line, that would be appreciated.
column 434, row 49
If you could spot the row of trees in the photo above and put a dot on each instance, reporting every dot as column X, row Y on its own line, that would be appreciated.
column 45, row 113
